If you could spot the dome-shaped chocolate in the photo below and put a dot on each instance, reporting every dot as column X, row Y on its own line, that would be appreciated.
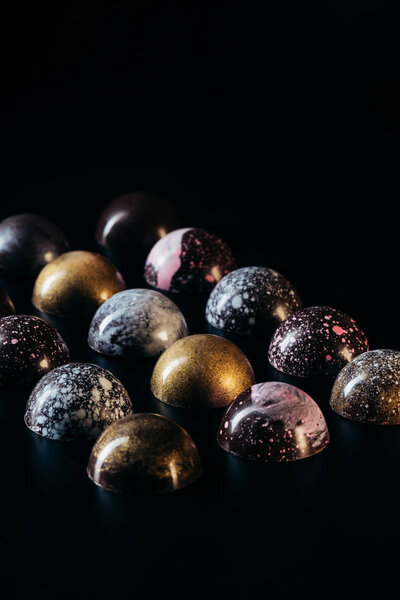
column 144, row 453
column 137, row 323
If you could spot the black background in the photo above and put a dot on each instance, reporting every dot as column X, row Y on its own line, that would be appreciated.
column 277, row 130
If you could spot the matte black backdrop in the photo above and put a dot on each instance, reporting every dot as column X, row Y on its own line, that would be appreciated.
column 279, row 131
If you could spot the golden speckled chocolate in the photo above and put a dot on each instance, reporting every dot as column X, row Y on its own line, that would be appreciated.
column 201, row 371
column 144, row 452
column 6, row 305
column 76, row 284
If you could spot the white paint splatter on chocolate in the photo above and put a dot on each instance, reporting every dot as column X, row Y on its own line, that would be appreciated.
column 188, row 260
column 76, row 402
column 367, row 389
column 316, row 341
column 273, row 422
column 251, row 298
column 137, row 323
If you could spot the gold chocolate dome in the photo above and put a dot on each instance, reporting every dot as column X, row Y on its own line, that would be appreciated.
column 201, row 371
column 76, row 284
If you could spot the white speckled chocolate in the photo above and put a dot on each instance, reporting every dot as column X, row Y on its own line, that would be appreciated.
column 136, row 322
column 273, row 422
column 251, row 298
column 316, row 341
column 76, row 402
column 368, row 388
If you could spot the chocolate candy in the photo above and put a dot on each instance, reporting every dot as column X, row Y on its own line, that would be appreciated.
column 368, row 388
column 137, row 323
column 316, row 341
column 273, row 422
column 6, row 304
column 188, row 260
column 201, row 371
column 134, row 222
column 251, row 299
column 75, row 284
column 27, row 243
column 144, row 453
column 76, row 402
column 29, row 348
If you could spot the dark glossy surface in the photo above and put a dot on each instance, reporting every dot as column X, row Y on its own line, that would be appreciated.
column 135, row 222
column 201, row 371
column 188, row 260
column 316, row 341
column 137, row 323
column 6, row 305
column 29, row 348
column 76, row 402
column 76, row 284
column 144, row 453
column 368, row 388
column 273, row 422
column 27, row 243
column 251, row 299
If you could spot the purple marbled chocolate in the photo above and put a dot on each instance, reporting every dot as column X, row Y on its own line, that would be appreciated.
column 188, row 259
column 273, row 422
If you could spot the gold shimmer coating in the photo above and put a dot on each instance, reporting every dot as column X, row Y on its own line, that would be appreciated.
column 144, row 452
column 201, row 371
column 76, row 284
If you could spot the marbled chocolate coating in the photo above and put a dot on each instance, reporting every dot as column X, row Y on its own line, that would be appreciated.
column 29, row 348
column 316, row 341
column 188, row 260
column 27, row 243
column 273, row 422
column 6, row 305
column 144, row 453
column 368, row 388
column 76, row 402
column 251, row 299
column 75, row 284
column 135, row 221
column 201, row 371
column 138, row 323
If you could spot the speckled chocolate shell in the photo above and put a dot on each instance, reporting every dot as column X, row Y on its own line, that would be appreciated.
column 273, row 422
column 188, row 260
column 251, row 299
column 135, row 221
column 137, row 323
column 316, row 341
column 6, row 306
column 27, row 243
column 201, row 371
column 144, row 453
column 76, row 402
column 368, row 388
column 29, row 348
column 75, row 284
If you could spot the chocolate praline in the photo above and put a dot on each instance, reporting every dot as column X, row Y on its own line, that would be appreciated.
column 188, row 260
column 273, row 422
column 316, row 341
column 367, row 390
column 137, row 323
column 29, row 348
column 75, row 284
column 135, row 221
column 6, row 305
column 201, row 371
column 27, row 243
column 144, row 452
column 251, row 299
column 76, row 402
